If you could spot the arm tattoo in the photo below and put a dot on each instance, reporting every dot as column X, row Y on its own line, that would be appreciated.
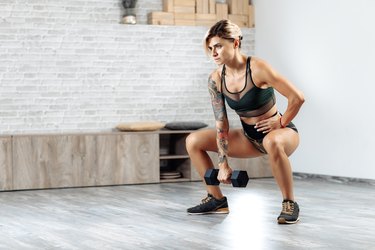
column 218, row 105
column 222, row 144
column 217, row 101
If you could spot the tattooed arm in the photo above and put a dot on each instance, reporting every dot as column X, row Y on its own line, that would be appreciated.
column 222, row 126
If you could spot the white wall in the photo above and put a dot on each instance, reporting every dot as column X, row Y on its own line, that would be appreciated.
column 327, row 49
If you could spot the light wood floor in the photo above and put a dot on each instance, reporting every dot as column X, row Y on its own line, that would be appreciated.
column 333, row 216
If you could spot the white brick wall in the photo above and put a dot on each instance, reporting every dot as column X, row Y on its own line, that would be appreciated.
column 71, row 66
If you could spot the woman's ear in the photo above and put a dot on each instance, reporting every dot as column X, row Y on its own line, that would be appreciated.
column 236, row 43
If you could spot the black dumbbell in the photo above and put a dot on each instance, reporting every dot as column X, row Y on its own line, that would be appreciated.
column 239, row 178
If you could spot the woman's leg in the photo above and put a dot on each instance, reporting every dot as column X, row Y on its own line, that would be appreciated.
column 280, row 144
column 200, row 142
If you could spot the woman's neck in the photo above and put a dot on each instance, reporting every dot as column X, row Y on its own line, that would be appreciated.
column 237, row 65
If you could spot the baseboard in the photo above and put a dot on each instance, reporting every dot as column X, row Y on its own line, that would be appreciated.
column 336, row 179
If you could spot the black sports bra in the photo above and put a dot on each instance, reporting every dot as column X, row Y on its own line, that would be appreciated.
column 250, row 101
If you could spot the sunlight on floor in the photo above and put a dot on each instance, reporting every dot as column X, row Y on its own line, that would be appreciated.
column 246, row 229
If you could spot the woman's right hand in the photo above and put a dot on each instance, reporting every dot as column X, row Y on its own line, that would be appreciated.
column 225, row 172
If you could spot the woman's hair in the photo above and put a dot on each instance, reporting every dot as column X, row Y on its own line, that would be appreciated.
column 224, row 29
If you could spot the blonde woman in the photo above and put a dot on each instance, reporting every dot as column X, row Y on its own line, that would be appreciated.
column 247, row 84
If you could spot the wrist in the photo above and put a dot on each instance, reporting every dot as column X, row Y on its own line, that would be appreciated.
column 223, row 164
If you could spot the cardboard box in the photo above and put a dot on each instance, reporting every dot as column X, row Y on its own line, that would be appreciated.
column 238, row 7
column 160, row 18
column 168, row 5
column 245, row 7
column 240, row 20
column 184, row 9
column 184, row 19
column 202, row 6
column 251, row 16
column 205, row 19
column 212, row 6
column 221, row 11
column 184, row 6
column 233, row 7
column 186, row 3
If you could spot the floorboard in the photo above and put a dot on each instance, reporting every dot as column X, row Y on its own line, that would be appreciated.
column 333, row 216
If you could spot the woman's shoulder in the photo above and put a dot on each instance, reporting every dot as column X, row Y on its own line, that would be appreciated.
column 215, row 75
column 256, row 62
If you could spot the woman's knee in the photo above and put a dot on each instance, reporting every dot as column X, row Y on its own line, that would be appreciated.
column 277, row 144
column 191, row 141
column 199, row 140
column 273, row 145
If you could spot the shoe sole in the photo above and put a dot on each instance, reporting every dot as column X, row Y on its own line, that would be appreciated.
column 283, row 221
column 218, row 211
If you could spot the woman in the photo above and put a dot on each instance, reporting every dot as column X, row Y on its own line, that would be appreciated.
column 247, row 84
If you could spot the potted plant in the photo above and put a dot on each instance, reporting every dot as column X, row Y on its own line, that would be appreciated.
column 129, row 17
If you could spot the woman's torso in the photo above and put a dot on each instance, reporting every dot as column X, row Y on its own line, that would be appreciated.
column 242, row 94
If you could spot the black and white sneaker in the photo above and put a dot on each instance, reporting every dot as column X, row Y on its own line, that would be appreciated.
column 289, row 213
column 210, row 205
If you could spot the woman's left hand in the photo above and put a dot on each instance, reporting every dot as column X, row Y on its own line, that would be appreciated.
column 269, row 124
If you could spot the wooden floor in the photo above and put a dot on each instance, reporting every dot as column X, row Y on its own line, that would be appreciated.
column 333, row 216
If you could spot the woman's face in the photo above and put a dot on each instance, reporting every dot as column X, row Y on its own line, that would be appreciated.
column 221, row 49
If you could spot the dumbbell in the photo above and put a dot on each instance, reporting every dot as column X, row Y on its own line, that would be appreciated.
column 239, row 178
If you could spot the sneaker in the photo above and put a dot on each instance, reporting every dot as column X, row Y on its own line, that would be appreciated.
column 210, row 205
column 290, row 213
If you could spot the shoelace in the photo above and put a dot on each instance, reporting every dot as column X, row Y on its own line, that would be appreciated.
column 288, row 207
column 205, row 200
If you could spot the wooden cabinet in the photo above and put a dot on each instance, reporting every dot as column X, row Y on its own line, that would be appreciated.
column 99, row 159
column 6, row 163
column 53, row 161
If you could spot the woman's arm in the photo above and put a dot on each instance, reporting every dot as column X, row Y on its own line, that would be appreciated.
column 222, row 124
column 265, row 76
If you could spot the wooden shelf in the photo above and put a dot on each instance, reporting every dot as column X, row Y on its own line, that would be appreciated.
column 174, row 155
column 171, row 157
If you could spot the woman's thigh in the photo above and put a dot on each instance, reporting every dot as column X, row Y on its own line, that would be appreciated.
column 238, row 145
column 287, row 139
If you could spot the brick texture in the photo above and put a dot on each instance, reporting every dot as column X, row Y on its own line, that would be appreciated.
column 71, row 66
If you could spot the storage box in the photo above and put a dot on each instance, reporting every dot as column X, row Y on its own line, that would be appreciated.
column 160, row 18
column 184, row 19
column 240, row 20
column 205, row 19
column 238, row 7
column 212, row 6
column 184, row 6
column 184, row 9
column 251, row 16
column 168, row 5
column 187, row 3
column 221, row 11
column 181, row 6
column 202, row 6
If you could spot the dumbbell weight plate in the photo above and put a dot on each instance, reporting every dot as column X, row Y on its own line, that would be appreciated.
column 239, row 179
column 210, row 177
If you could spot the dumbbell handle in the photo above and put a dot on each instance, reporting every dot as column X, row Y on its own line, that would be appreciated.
column 239, row 178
